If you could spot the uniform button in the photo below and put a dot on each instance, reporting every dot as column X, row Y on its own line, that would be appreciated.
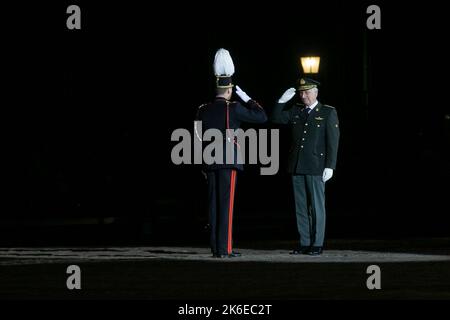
column 304, row 131
column 306, row 124
column 318, row 125
column 301, row 146
column 321, row 154
column 303, row 139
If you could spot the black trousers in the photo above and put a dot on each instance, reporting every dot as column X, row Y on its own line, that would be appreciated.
column 221, row 188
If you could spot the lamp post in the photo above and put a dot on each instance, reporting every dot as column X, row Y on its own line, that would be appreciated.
column 310, row 64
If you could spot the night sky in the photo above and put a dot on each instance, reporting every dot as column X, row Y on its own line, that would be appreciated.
column 95, row 109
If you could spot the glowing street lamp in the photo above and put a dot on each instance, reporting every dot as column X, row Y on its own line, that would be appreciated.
column 310, row 64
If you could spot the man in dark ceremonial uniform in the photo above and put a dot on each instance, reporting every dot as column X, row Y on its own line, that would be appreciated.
column 223, row 114
column 311, row 160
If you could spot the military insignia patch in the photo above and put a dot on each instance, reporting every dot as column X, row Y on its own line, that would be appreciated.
column 318, row 118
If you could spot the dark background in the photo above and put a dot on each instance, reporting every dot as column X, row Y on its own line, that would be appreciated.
column 93, row 111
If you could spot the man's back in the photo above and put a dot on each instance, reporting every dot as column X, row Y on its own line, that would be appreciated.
column 222, row 114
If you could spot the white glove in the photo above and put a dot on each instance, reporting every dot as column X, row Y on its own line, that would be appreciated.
column 327, row 174
column 242, row 94
column 287, row 95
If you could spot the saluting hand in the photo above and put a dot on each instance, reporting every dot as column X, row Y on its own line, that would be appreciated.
column 242, row 94
column 287, row 95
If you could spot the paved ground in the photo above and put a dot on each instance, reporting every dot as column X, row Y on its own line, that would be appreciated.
column 19, row 256
column 420, row 270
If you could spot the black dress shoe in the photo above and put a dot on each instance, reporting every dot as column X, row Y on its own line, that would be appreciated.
column 300, row 250
column 315, row 251
column 231, row 255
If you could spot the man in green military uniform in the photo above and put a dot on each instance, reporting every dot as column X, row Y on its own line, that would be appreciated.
column 311, row 160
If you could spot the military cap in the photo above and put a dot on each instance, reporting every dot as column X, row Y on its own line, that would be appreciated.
column 223, row 68
column 224, row 82
column 304, row 84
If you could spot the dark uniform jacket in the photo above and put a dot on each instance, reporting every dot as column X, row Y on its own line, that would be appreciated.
column 222, row 114
column 315, row 137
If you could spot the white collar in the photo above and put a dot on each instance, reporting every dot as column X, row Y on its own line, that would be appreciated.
column 313, row 105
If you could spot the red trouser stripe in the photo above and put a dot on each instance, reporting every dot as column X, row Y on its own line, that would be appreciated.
column 230, row 212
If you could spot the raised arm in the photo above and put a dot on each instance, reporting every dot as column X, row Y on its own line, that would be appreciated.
column 252, row 112
column 279, row 115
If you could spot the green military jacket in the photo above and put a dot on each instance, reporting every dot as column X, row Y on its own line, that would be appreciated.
column 315, row 137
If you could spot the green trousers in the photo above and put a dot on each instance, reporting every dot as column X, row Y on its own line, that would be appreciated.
column 309, row 194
